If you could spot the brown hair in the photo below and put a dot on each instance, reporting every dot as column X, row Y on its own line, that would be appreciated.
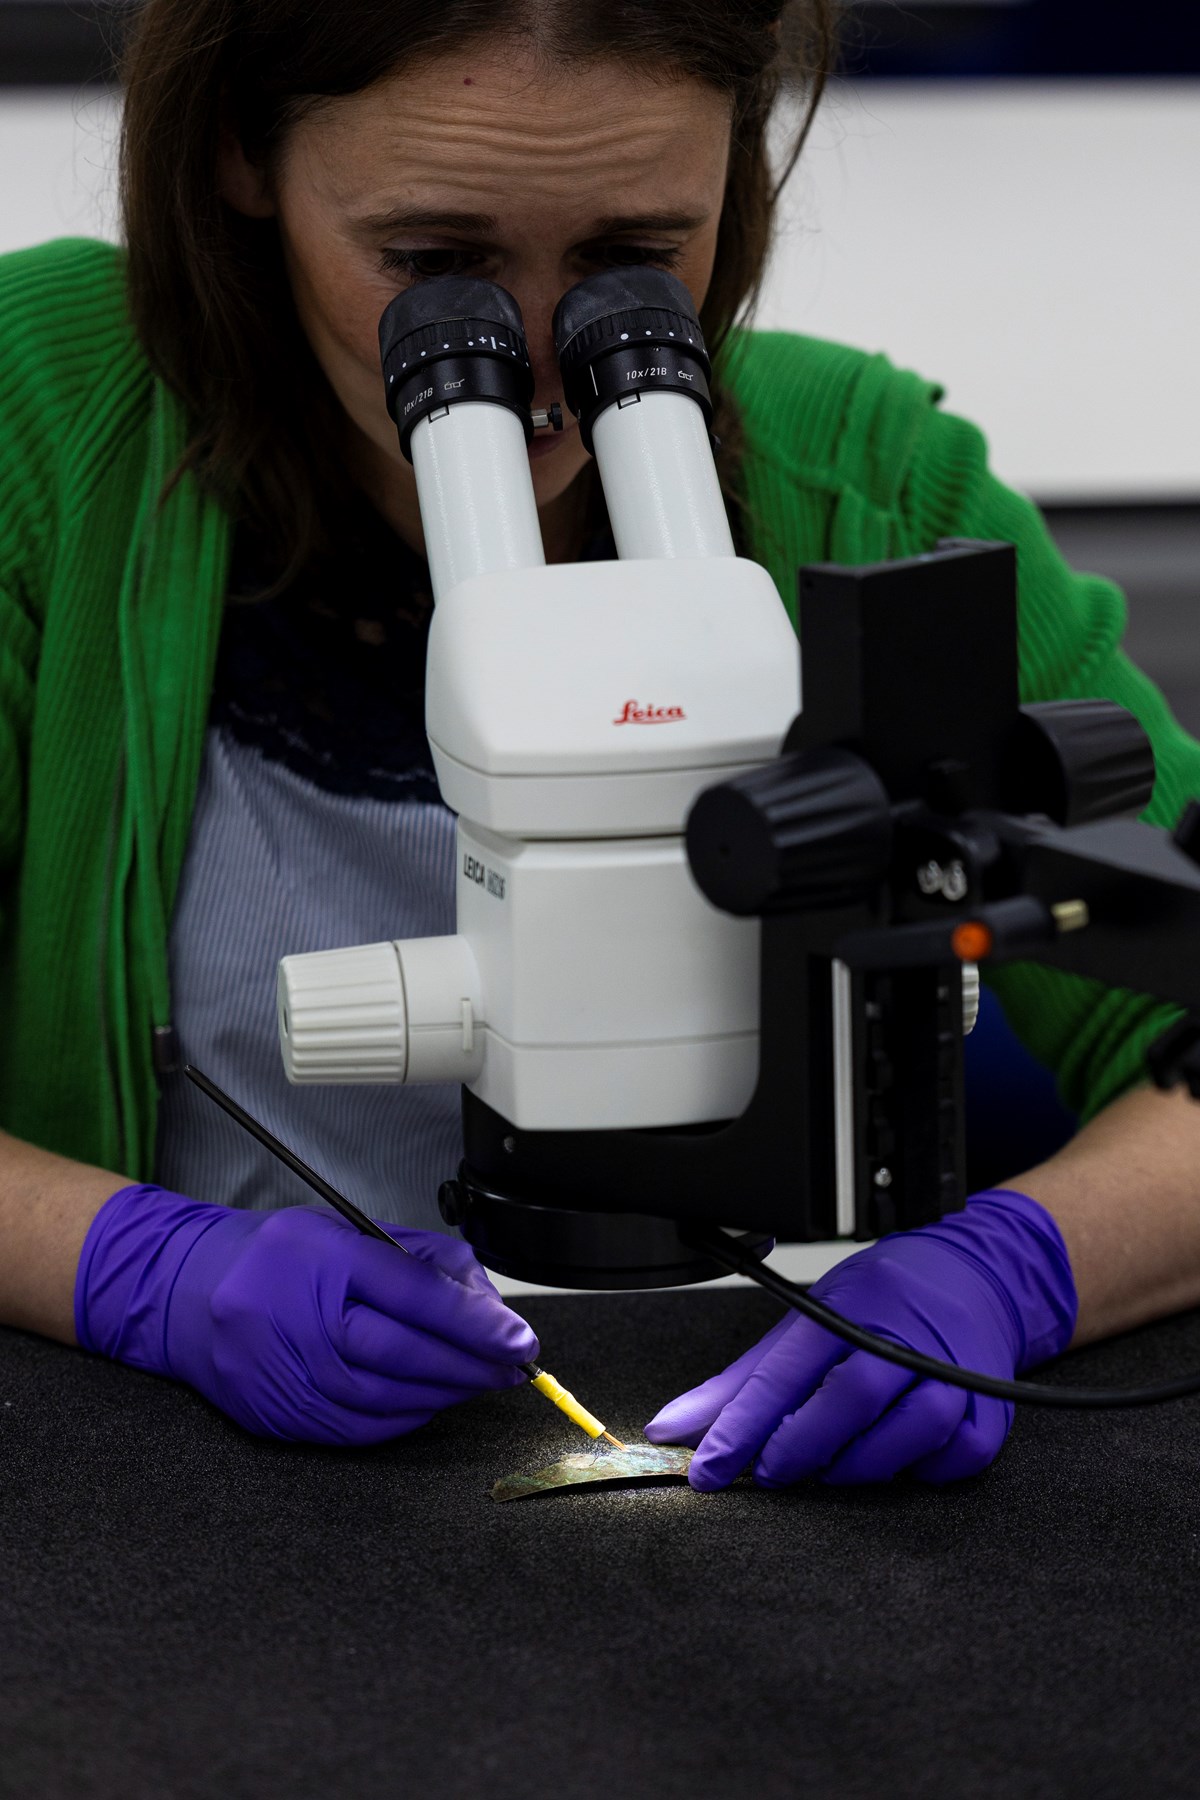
column 208, row 291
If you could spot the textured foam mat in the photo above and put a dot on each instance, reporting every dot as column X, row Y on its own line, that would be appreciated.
column 187, row 1611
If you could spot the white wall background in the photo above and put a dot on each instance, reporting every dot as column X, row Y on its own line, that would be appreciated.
column 1032, row 245
column 57, row 165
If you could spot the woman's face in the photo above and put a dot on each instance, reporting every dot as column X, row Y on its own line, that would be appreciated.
column 479, row 164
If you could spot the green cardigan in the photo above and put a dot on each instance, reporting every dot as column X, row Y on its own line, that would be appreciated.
column 110, row 609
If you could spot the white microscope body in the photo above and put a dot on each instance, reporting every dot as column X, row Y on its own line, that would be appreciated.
column 574, row 713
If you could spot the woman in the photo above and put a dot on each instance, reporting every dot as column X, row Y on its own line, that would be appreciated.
column 213, row 616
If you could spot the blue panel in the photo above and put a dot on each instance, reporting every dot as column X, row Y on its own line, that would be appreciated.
column 1014, row 1116
column 1022, row 37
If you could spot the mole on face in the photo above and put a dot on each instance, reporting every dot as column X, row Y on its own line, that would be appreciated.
column 468, row 81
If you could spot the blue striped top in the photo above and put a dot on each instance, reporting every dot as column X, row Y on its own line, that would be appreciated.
column 276, row 865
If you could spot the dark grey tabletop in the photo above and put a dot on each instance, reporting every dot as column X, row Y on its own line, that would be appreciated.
column 186, row 1611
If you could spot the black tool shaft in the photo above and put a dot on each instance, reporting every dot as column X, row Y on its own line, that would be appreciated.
column 289, row 1159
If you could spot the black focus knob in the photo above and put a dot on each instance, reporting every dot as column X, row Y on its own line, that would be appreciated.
column 1078, row 761
column 453, row 1203
column 451, row 339
column 810, row 832
column 1187, row 833
column 627, row 332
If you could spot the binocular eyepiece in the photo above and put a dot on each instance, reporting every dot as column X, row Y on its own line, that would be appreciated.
column 635, row 373
column 618, row 335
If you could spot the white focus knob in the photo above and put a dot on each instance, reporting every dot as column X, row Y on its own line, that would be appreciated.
column 970, row 991
column 444, row 1008
column 342, row 1016
column 407, row 1011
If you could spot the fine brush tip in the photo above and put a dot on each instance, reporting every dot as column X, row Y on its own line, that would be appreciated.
column 612, row 1440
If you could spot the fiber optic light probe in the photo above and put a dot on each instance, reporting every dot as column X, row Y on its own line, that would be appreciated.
column 717, row 938
column 538, row 1377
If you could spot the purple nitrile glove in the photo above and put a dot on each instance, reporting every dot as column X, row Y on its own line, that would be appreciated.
column 293, row 1322
column 989, row 1288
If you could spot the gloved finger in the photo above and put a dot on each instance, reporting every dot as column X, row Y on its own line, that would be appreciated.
column 377, row 1395
column 337, row 1426
column 920, row 1423
column 417, row 1292
column 976, row 1443
column 292, row 1405
column 404, row 1351
column 853, row 1396
column 450, row 1254
column 793, row 1368
column 362, row 1429
column 685, row 1419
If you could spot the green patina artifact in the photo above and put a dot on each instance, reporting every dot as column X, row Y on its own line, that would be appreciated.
column 640, row 1462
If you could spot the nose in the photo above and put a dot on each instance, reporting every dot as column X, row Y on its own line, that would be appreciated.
column 537, row 309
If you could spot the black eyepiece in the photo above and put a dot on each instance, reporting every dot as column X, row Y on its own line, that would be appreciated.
column 449, row 340
column 629, row 332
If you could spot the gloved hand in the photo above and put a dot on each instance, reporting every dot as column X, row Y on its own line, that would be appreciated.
column 989, row 1288
column 293, row 1322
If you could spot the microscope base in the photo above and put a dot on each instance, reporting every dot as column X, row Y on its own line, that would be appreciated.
column 557, row 1247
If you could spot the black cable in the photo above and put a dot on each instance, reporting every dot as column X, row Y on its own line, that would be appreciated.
column 1032, row 1393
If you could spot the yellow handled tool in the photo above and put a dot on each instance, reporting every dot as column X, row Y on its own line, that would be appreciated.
column 567, row 1403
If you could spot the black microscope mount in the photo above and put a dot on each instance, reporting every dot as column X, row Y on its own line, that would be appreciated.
column 919, row 820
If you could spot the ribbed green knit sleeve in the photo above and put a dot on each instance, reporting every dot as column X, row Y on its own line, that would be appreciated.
column 18, row 660
column 1093, row 1037
column 50, row 349
column 26, row 525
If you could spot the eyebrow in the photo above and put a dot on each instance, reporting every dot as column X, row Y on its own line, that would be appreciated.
column 483, row 224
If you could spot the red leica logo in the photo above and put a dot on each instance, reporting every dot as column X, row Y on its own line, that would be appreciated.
column 633, row 714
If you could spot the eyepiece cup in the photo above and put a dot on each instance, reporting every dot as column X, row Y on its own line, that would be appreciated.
column 626, row 332
column 450, row 340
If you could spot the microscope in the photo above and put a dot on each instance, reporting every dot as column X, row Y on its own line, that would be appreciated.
column 718, row 933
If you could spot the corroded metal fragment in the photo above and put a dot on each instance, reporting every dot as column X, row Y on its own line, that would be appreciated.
column 640, row 1462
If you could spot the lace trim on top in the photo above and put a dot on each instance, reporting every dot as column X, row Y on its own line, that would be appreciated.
column 329, row 676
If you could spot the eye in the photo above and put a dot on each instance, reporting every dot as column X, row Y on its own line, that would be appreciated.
column 632, row 256
column 425, row 265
